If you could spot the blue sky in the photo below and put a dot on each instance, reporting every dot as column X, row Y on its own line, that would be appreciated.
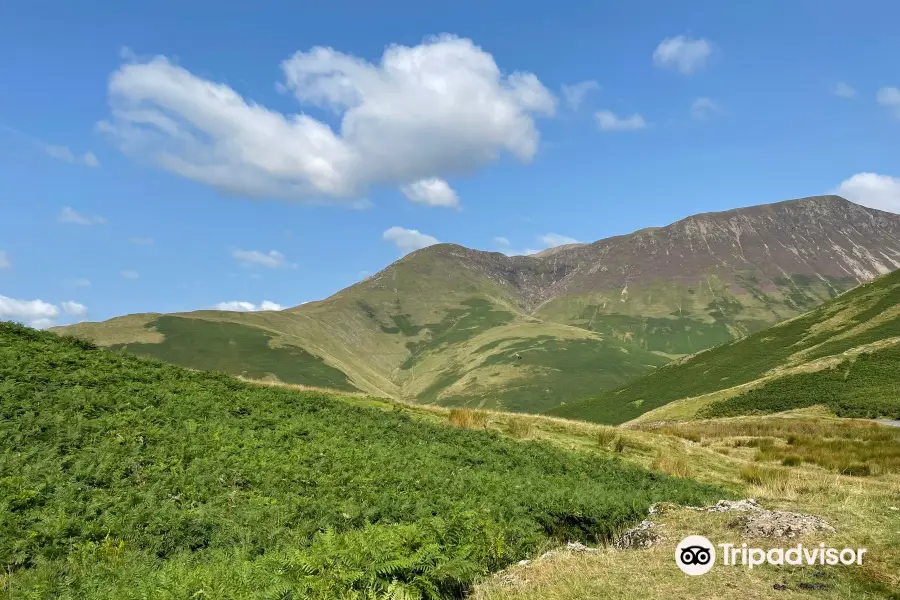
column 171, row 156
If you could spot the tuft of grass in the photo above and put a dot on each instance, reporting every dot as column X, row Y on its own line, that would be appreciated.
column 468, row 418
column 673, row 464
column 771, row 478
column 520, row 427
column 605, row 437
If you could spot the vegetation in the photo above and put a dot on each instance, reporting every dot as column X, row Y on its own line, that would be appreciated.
column 865, row 315
column 122, row 477
column 863, row 510
column 850, row 447
column 864, row 387
column 237, row 350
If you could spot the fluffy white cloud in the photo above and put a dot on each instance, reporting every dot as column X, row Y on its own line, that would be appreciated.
column 5, row 263
column 71, row 216
column 872, row 190
column 682, row 53
column 408, row 240
column 704, row 108
column 74, row 308
column 141, row 241
column 608, row 121
column 440, row 108
column 843, row 90
column 242, row 306
column 129, row 274
column 273, row 259
column 574, row 94
column 63, row 153
column 431, row 191
column 35, row 313
column 889, row 97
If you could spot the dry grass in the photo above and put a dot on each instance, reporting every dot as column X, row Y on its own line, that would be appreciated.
column 672, row 464
column 520, row 427
column 468, row 418
column 851, row 447
column 859, row 508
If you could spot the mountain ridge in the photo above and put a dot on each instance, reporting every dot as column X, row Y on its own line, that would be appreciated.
column 459, row 326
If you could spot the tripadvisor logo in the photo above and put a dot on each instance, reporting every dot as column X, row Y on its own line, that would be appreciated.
column 696, row 555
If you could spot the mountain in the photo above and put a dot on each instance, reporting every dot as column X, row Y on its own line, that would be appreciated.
column 843, row 355
column 456, row 326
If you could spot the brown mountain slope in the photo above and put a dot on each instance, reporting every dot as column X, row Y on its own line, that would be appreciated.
column 458, row 326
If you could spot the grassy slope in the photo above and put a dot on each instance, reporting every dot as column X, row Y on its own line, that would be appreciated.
column 866, row 315
column 745, row 453
column 123, row 477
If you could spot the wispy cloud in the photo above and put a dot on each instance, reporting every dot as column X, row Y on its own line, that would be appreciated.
column 703, row 108
column 57, row 151
column 608, row 121
column 141, row 241
column 684, row 54
column 129, row 274
column 273, row 259
column 73, row 217
column 63, row 153
column 843, row 90
column 5, row 262
column 243, row 306
column 575, row 94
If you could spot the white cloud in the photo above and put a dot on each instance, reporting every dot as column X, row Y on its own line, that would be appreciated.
column 889, row 97
column 682, row 53
column 69, row 215
column 243, row 306
column 74, row 308
column 440, row 108
column 129, row 274
column 431, row 191
column 608, row 121
column 547, row 240
column 408, row 240
column 81, row 282
column 141, row 241
column 63, row 153
column 270, row 260
column 35, row 313
column 843, row 90
column 5, row 263
column 872, row 190
column 574, row 94
column 551, row 240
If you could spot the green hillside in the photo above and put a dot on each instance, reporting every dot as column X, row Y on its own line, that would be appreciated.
column 123, row 477
column 460, row 327
column 841, row 354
